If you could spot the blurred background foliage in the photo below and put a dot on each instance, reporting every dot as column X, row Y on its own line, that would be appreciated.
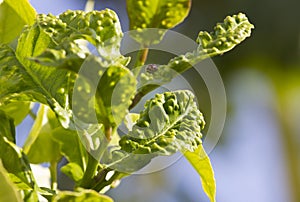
column 258, row 156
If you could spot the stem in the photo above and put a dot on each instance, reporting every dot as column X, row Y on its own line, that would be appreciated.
column 103, row 183
column 88, row 177
column 53, row 174
column 142, row 57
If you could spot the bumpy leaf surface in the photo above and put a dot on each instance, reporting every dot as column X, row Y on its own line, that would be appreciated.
column 225, row 36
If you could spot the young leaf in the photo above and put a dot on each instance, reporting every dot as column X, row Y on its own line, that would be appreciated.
column 200, row 161
column 162, row 14
column 8, row 191
column 170, row 122
column 40, row 146
column 100, row 28
column 81, row 195
column 225, row 36
column 13, row 16
column 17, row 163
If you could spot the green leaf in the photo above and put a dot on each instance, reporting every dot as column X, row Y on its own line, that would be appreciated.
column 162, row 14
column 225, row 37
column 40, row 146
column 32, row 82
column 72, row 148
column 17, row 163
column 13, row 16
column 100, row 28
column 81, row 195
column 116, row 88
column 130, row 120
column 73, row 170
column 16, row 110
column 200, row 161
column 169, row 123
column 8, row 191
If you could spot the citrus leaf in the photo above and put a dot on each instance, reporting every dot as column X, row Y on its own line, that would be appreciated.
column 17, row 110
column 102, row 29
column 8, row 191
column 17, row 163
column 200, row 161
column 225, row 37
column 170, row 122
column 40, row 146
column 161, row 14
column 82, row 195
column 72, row 148
column 13, row 16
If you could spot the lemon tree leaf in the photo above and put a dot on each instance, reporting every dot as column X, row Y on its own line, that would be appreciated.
column 8, row 191
column 201, row 163
column 83, row 195
column 162, row 14
column 13, row 16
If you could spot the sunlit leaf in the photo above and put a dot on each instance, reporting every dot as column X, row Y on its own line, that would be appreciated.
column 161, row 14
column 225, row 36
column 200, row 161
column 40, row 146
column 8, row 191
column 82, row 195
column 16, row 110
column 13, row 158
column 13, row 16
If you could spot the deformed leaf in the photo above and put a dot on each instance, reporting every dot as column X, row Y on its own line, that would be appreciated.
column 73, row 170
column 8, row 191
column 161, row 14
column 13, row 16
column 200, row 161
column 81, row 195
column 169, row 123
column 225, row 36
column 69, row 31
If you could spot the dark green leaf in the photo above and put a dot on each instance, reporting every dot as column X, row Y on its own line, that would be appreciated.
column 13, row 16
column 162, row 14
column 200, row 161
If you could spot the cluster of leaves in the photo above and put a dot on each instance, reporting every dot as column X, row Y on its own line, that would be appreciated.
column 41, row 60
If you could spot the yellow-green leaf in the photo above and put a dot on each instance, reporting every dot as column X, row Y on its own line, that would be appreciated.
column 13, row 16
column 83, row 195
column 8, row 191
column 201, row 162
column 161, row 14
